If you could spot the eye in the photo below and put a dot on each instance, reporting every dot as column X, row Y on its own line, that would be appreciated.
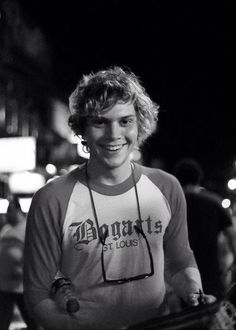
column 127, row 121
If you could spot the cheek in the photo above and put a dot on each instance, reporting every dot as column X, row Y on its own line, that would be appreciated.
column 132, row 134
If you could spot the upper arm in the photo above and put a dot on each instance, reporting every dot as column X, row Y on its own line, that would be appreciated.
column 42, row 247
column 178, row 254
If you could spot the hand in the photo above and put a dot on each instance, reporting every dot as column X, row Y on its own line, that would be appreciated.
column 198, row 298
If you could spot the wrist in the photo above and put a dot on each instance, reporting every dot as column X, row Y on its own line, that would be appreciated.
column 192, row 288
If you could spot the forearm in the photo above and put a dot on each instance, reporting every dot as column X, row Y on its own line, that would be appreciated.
column 186, row 281
column 47, row 314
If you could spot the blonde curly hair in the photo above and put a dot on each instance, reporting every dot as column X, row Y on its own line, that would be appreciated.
column 98, row 92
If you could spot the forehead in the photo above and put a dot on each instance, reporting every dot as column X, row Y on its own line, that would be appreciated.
column 119, row 110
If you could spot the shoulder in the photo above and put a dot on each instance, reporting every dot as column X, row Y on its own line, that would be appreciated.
column 213, row 199
column 51, row 201
column 59, row 188
column 205, row 197
column 167, row 183
column 161, row 178
column 210, row 196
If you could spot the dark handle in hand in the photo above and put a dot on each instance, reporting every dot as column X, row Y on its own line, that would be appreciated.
column 62, row 288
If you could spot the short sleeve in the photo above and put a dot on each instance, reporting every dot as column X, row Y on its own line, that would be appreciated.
column 178, row 254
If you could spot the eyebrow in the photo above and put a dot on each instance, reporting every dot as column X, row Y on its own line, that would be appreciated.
column 107, row 119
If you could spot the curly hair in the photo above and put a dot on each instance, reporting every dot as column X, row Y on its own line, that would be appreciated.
column 98, row 92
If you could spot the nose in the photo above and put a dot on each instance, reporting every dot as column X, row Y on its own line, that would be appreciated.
column 113, row 131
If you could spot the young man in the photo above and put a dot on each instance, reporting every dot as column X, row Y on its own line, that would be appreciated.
column 116, row 229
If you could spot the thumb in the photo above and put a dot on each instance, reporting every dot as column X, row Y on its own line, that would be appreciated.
column 192, row 299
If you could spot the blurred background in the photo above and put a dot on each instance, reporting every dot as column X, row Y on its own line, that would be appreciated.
column 183, row 52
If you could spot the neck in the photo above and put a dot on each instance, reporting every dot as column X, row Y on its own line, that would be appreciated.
column 111, row 176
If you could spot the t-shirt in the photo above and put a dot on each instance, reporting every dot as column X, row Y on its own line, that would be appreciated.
column 62, row 234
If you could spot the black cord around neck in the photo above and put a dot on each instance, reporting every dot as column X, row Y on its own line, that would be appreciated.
column 93, row 203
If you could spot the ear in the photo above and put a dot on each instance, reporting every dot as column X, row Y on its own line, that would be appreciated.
column 82, row 147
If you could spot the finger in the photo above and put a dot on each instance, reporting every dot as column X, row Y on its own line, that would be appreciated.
column 209, row 299
column 193, row 299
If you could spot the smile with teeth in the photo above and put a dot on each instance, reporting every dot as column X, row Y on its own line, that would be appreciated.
column 112, row 147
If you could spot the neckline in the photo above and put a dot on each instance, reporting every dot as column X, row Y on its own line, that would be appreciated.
column 117, row 189
column 134, row 185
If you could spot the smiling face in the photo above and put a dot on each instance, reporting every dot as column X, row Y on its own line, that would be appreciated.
column 112, row 136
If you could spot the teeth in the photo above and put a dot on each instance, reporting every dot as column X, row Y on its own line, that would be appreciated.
column 113, row 148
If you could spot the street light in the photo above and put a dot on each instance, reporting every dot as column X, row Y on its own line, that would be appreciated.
column 232, row 184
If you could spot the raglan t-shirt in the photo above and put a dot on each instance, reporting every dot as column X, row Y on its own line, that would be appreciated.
column 63, row 235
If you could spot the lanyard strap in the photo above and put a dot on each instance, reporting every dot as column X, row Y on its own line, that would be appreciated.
column 103, row 237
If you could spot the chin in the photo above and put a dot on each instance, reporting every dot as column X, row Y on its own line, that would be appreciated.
column 116, row 163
